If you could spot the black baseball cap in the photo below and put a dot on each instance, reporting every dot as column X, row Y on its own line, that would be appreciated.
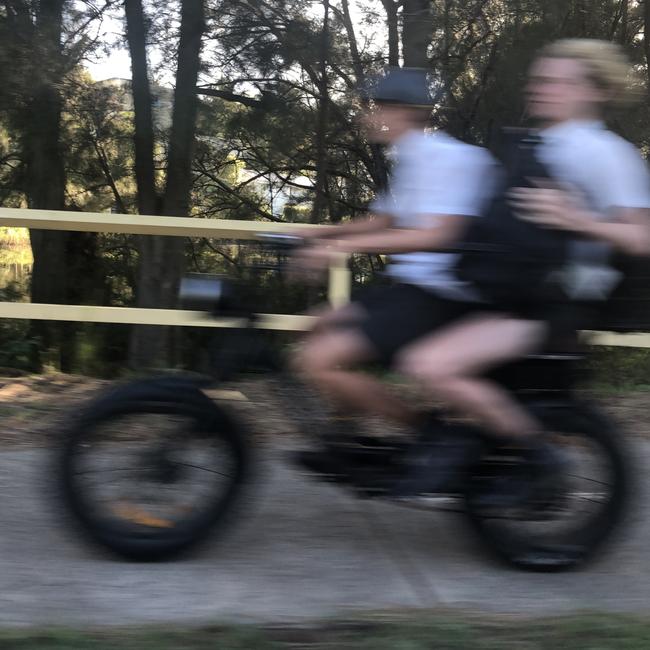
column 405, row 86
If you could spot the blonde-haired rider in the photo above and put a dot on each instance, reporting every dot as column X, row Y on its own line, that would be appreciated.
column 601, row 198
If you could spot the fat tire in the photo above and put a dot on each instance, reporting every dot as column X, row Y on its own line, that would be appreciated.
column 585, row 420
column 166, row 396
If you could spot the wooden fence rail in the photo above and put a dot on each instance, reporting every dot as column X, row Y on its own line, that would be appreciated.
column 338, row 288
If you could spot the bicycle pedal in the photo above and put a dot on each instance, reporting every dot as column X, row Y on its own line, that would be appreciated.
column 371, row 492
column 324, row 476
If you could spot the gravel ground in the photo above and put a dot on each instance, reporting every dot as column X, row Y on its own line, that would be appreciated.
column 300, row 550
column 33, row 408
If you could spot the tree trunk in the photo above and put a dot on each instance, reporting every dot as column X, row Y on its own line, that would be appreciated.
column 46, row 191
column 376, row 162
column 146, row 346
column 320, row 197
column 178, row 189
column 445, row 59
column 357, row 65
column 136, row 35
column 625, row 17
column 392, row 22
column 581, row 19
column 176, row 201
column 517, row 21
column 45, row 170
column 102, row 159
column 161, row 258
column 417, row 31
column 646, row 39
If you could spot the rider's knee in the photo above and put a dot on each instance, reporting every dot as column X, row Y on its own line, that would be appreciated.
column 298, row 361
column 412, row 364
column 308, row 359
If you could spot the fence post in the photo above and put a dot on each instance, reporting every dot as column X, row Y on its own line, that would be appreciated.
column 340, row 281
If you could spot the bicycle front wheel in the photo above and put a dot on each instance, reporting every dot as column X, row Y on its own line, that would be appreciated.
column 151, row 469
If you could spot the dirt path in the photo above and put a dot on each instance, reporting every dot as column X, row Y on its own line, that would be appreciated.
column 302, row 550
column 33, row 408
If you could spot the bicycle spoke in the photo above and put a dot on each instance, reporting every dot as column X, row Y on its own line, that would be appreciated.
column 204, row 469
column 113, row 470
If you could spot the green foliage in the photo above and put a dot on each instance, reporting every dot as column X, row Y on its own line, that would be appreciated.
column 100, row 350
column 296, row 213
column 98, row 132
column 620, row 368
column 256, row 154
column 14, row 247
column 422, row 632
column 18, row 349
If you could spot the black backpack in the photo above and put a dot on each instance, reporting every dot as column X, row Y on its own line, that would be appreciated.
column 508, row 259
column 628, row 307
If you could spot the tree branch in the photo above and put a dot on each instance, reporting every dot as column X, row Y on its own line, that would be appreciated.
column 228, row 96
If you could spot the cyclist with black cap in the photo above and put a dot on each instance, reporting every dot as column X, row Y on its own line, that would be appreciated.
column 597, row 193
column 438, row 184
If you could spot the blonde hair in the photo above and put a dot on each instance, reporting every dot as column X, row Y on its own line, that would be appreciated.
column 606, row 64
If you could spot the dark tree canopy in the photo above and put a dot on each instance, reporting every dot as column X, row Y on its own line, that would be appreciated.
column 261, row 124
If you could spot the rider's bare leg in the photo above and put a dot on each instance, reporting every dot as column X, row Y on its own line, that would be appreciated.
column 323, row 361
column 331, row 317
column 450, row 364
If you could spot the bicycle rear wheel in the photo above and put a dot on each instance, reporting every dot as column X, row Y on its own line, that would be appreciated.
column 150, row 469
column 569, row 521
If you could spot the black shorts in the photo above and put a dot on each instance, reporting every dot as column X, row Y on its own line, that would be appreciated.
column 563, row 318
column 401, row 313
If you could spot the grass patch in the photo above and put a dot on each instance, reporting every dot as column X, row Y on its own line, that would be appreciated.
column 607, row 390
column 421, row 632
column 618, row 368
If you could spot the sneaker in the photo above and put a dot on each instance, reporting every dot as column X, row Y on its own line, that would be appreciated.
column 329, row 456
column 535, row 479
column 438, row 463
column 342, row 448
column 351, row 455
column 319, row 461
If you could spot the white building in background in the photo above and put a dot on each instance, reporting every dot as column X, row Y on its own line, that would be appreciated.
column 278, row 197
column 163, row 100
column 268, row 187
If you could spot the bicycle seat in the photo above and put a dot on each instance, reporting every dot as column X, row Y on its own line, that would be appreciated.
column 552, row 369
column 557, row 356
column 207, row 292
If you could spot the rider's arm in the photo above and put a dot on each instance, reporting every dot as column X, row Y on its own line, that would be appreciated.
column 373, row 222
column 444, row 232
column 437, row 203
column 619, row 179
column 626, row 229
column 628, row 233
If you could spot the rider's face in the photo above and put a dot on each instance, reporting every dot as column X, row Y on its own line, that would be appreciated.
column 560, row 89
column 385, row 123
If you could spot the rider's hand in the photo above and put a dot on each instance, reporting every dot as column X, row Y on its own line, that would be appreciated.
column 309, row 263
column 550, row 206
column 309, row 235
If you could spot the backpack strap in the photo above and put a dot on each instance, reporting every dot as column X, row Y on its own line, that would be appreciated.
column 511, row 144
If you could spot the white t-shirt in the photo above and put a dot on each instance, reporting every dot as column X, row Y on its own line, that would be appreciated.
column 434, row 175
column 609, row 173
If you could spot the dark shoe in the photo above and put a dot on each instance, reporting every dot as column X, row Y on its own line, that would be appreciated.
column 548, row 467
column 343, row 443
column 329, row 458
column 351, row 456
column 438, row 462
column 320, row 461
column 535, row 479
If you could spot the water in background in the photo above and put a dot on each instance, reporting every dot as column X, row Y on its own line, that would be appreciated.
column 17, row 273
column 15, row 258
